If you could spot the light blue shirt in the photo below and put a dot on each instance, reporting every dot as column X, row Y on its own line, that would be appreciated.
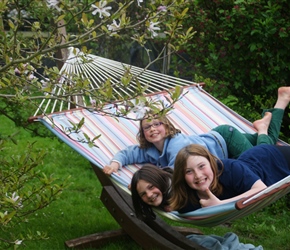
column 213, row 141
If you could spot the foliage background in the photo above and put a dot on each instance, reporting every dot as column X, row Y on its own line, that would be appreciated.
column 240, row 50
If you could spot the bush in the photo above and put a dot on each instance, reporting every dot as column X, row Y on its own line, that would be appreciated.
column 24, row 190
column 243, row 47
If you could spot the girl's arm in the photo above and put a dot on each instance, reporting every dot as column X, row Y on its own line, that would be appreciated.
column 212, row 200
column 131, row 155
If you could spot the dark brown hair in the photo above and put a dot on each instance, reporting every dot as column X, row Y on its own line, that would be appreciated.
column 158, row 178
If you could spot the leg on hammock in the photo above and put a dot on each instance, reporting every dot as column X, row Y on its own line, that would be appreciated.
column 238, row 142
column 262, row 127
column 273, row 130
column 235, row 140
column 277, row 116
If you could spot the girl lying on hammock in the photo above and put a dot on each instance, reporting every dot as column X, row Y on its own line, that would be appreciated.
column 202, row 180
column 160, row 141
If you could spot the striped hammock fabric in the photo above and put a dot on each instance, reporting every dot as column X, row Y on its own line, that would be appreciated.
column 195, row 113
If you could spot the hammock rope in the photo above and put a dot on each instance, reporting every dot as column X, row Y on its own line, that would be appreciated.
column 97, row 70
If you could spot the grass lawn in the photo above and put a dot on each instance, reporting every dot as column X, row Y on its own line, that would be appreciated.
column 80, row 212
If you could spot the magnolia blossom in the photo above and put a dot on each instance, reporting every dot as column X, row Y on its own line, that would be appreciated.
column 31, row 76
column 162, row 8
column 45, row 82
column 18, row 242
column 152, row 29
column 139, row 111
column 93, row 102
column 15, row 198
column 53, row 4
column 17, row 71
column 139, row 1
column 114, row 27
column 27, row 70
column 101, row 9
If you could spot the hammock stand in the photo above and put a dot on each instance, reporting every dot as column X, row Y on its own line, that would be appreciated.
column 197, row 112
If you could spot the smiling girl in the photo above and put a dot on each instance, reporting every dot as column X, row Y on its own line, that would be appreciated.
column 150, row 186
column 159, row 141
column 200, row 179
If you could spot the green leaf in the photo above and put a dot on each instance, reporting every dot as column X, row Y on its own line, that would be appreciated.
column 253, row 47
column 84, row 18
column 60, row 18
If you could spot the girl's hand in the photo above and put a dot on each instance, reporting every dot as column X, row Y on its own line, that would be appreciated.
column 212, row 200
column 109, row 169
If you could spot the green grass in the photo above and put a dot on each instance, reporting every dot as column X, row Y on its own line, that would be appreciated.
column 80, row 212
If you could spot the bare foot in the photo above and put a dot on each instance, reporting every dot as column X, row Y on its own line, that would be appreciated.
column 283, row 97
column 262, row 125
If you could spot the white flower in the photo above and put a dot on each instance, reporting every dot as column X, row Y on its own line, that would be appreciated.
column 162, row 8
column 139, row 1
column 15, row 197
column 53, row 4
column 31, row 76
column 101, row 9
column 152, row 29
column 114, row 27
column 18, row 242
column 44, row 82
column 17, row 71
column 139, row 110
column 93, row 102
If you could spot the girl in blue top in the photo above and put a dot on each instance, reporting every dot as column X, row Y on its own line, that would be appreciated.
column 160, row 141
column 201, row 180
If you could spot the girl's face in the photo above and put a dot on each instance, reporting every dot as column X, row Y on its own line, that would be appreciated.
column 150, row 194
column 154, row 132
column 198, row 173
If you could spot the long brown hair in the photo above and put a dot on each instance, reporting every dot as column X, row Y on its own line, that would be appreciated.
column 181, row 192
column 158, row 178
column 171, row 131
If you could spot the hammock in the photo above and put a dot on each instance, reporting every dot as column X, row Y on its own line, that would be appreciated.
column 196, row 112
